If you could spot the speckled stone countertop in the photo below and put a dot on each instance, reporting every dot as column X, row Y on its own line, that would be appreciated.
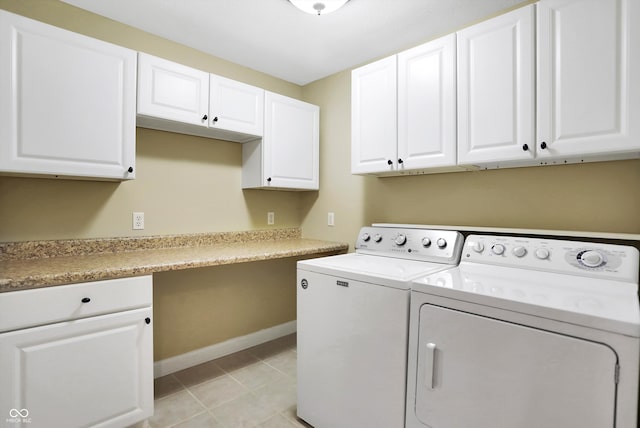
column 35, row 264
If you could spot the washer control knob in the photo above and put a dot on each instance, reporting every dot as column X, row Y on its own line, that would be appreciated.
column 426, row 242
column 542, row 253
column 377, row 237
column 497, row 249
column 401, row 239
column 477, row 246
column 591, row 258
column 441, row 242
column 365, row 237
column 519, row 251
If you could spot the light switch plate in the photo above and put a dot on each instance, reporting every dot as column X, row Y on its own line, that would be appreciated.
column 331, row 219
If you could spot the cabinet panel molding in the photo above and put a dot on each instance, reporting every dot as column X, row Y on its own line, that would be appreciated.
column 67, row 103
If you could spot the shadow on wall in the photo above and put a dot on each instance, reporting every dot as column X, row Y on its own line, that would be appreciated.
column 195, row 308
column 30, row 206
column 589, row 197
column 286, row 205
column 172, row 147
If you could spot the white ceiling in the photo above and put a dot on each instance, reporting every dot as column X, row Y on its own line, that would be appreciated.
column 274, row 37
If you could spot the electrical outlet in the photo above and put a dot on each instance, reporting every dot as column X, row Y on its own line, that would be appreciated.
column 271, row 217
column 331, row 219
column 138, row 221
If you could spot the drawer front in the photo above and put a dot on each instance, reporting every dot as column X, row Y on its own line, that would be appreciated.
column 28, row 308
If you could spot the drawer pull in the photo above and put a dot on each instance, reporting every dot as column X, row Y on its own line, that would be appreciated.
column 147, row 320
column 85, row 300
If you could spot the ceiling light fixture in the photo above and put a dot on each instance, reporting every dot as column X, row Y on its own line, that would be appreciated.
column 318, row 7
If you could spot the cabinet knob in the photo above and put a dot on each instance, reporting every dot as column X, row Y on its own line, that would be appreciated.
column 525, row 147
column 85, row 300
column 205, row 117
column 543, row 145
column 130, row 169
column 269, row 179
column 147, row 320
column 389, row 162
column 215, row 119
column 400, row 161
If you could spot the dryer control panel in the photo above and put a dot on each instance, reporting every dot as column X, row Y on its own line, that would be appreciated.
column 617, row 262
column 439, row 246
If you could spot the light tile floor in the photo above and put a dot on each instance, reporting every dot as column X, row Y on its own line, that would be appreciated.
column 251, row 388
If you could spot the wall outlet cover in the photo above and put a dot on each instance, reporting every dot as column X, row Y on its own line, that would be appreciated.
column 138, row 221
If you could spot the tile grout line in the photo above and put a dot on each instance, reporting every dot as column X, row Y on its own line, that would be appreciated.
column 247, row 389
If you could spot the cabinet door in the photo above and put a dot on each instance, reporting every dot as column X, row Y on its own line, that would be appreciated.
column 496, row 89
column 91, row 372
column 67, row 102
column 480, row 372
column 588, row 77
column 236, row 106
column 172, row 91
column 373, row 117
column 291, row 143
column 427, row 105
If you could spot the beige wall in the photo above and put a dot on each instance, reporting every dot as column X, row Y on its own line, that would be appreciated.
column 184, row 184
column 189, row 184
column 199, row 307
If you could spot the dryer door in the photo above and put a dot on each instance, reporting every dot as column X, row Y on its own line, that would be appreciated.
column 480, row 372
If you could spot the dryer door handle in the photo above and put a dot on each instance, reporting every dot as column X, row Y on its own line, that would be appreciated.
column 429, row 366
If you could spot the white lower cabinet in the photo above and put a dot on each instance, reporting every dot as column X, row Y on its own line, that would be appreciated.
column 67, row 103
column 94, row 368
column 287, row 157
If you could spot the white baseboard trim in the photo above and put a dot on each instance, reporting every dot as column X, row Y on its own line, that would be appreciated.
column 208, row 353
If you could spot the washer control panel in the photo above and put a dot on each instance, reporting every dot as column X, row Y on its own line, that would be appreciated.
column 560, row 256
column 440, row 246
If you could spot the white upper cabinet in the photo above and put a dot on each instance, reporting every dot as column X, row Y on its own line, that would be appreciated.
column 514, row 90
column 496, row 89
column 427, row 105
column 67, row 103
column 172, row 91
column 373, row 117
column 174, row 97
column 287, row 157
column 404, row 111
column 588, row 77
column 236, row 106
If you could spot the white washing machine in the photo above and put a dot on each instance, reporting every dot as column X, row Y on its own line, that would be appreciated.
column 526, row 333
column 353, row 324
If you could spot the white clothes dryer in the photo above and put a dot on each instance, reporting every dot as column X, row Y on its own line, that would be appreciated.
column 353, row 324
column 526, row 333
